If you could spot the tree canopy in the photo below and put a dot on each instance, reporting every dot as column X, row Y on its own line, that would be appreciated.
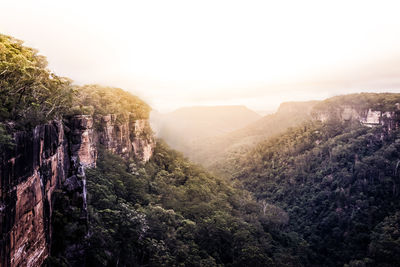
column 29, row 93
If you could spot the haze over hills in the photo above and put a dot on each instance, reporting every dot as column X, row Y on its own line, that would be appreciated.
column 209, row 134
column 289, row 114
column 184, row 127
column 85, row 182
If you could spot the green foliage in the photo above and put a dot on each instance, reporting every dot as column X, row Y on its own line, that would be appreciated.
column 170, row 212
column 212, row 152
column 29, row 93
column 5, row 138
column 69, row 227
column 385, row 241
column 99, row 100
column 337, row 182
column 325, row 194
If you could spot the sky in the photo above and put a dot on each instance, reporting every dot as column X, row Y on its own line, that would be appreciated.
column 183, row 53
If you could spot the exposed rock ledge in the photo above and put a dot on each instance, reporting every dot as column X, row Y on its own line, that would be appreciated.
column 368, row 117
column 128, row 139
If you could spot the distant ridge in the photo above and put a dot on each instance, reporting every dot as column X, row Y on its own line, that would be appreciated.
column 185, row 125
column 289, row 114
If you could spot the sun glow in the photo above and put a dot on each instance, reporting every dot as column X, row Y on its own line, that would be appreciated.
column 176, row 53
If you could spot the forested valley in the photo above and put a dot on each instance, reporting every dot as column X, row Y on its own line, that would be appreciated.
column 322, row 190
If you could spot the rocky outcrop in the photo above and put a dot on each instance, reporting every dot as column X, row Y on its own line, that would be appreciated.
column 82, row 140
column 127, row 139
column 142, row 140
column 53, row 157
column 368, row 117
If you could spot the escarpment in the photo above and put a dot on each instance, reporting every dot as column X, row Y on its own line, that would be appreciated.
column 132, row 138
column 30, row 172
column 367, row 117
column 52, row 158
column 368, row 109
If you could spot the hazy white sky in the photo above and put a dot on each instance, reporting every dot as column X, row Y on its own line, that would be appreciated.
column 180, row 53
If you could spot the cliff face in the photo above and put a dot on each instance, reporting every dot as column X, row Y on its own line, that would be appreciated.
column 133, row 138
column 369, row 117
column 29, row 174
column 82, row 140
column 53, row 157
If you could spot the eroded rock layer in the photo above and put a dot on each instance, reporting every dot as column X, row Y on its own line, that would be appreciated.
column 128, row 139
column 368, row 117
column 48, row 158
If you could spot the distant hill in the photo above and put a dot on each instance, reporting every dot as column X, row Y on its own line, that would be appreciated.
column 185, row 126
column 209, row 151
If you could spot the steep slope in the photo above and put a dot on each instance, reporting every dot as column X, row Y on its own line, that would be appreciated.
column 185, row 126
column 337, row 177
column 169, row 212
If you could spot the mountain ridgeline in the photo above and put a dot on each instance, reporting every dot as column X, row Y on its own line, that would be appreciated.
column 83, row 182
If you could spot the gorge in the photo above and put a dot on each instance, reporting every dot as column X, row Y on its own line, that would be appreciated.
column 84, row 182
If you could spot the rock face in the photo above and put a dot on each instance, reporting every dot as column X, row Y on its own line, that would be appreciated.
column 128, row 139
column 29, row 174
column 367, row 117
column 48, row 158
column 82, row 140
column 142, row 140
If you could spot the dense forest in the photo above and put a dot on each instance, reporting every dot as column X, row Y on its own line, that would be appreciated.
column 338, row 182
column 169, row 212
column 317, row 194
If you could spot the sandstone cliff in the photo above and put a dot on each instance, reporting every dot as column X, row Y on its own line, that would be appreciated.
column 388, row 118
column 128, row 139
column 53, row 157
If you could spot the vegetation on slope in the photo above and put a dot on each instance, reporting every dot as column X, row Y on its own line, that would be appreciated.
column 214, row 152
column 172, row 213
column 218, row 133
column 338, row 182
